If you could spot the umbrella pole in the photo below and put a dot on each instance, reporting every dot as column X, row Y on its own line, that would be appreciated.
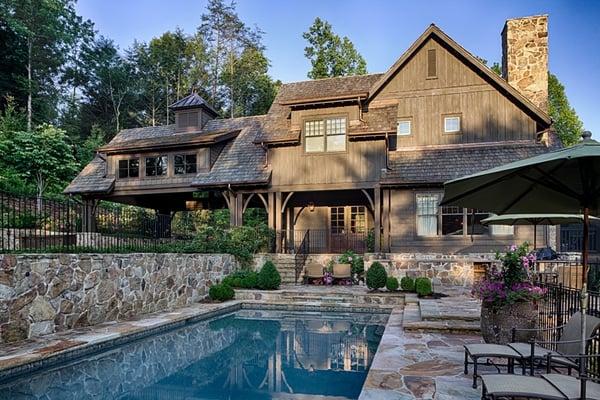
column 534, row 236
column 584, row 294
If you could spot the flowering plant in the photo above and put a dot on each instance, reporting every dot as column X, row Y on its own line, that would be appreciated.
column 512, row 282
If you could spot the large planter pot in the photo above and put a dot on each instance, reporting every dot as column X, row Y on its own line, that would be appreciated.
column 497, row 322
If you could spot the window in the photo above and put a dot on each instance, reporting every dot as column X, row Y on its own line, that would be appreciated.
column 325, row 135
column 474, row 225
column 185, row 164
column 404, row 128
column 337, row 220
column 129, row 168
column 427, row 214
column 452, row 221
column 156, row 166
column 502, row 230
column 452, row 124
column 358, row 219
column 431, row 64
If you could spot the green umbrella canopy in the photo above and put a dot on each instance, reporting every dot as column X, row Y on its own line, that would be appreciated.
column 535, row 219
column 561, row 181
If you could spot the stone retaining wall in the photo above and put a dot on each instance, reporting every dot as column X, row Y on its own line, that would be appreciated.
column 447, row 269
column 44, row 293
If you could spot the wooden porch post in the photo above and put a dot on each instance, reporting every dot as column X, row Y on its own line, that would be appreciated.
column 377, row 227
column 271, row 210
column 278, row 220
column 385, row 220
column 88, row 219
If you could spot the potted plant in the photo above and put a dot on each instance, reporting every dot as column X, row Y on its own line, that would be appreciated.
column 509, row 297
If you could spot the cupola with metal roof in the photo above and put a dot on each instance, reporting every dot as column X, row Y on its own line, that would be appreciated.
column 192, row 113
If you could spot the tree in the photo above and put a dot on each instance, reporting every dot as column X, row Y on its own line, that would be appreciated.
column 566, row 122
column 44, row 158
column 47, row 31
column 329, row 54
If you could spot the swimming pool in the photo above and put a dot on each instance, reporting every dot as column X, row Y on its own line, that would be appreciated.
column 248, row 354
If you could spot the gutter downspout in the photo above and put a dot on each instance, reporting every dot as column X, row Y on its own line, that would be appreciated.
column 266, row 149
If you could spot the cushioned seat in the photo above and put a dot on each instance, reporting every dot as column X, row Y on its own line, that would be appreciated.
column 342, row 271
column 313, row 271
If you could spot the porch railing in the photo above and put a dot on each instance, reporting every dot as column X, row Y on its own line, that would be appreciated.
column 571, row 238
column 301, row 255
column 324, row 241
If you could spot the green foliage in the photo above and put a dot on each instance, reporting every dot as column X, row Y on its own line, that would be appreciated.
column 391, row 284
column 86, row 151
column 370, row 242
column 423, row 286
column 250, row 281
column 376, row 276
column 329, row 54
column 21, row 220
column 221, row 292
column 245, row 279
column 407, row 284
column 268, row 277
column 566, row 122
column 356, row 261
column 12, row 119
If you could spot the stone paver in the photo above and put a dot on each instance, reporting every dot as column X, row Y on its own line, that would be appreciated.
column 449, row 314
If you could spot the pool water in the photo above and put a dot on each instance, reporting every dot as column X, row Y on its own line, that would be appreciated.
column 249, row 354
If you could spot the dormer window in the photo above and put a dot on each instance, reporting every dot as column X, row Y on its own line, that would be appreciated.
column 325, row 135
column 156, row 166
column 185, row 164
column 129, row 168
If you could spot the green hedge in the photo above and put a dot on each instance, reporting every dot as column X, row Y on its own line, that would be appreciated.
column 221, row 292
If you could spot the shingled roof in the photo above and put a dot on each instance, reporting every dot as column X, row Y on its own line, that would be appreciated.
column 435, row 165
column 241, row 162
column 193, row 101
column 92, row 179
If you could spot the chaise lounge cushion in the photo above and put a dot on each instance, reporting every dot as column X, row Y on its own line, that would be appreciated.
column 313, row 270
column 342, row 271
column 547, row 387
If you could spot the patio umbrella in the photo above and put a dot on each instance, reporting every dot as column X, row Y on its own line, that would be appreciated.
column 535, row 220
column 561, row 181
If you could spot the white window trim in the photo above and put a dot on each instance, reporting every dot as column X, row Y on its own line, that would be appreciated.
column 450, row 117
column 404, row 120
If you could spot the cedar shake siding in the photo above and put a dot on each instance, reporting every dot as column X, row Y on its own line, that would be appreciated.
column 341, row 156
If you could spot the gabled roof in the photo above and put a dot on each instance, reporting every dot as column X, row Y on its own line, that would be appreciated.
column 433, row 32
column 433, row 165
column 92, row 179
column 193, row 100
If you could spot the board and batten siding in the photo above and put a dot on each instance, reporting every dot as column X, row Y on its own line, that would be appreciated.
column 486, row 114
column 359, row 166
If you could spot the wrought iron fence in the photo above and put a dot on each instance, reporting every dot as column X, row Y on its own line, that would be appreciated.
column 31, row 224
column 324, row 241
column 571, row 238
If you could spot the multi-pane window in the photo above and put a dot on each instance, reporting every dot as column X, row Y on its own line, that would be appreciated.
column 502, row 230
column 358, row 219
column 325, row 135
column 404, row 128
column 185, row 164
column 337, row 220
column 452, row 124
column 427, row 214
column 474, row 225
column 129, row 168
column 156, row 166
column 452, row 220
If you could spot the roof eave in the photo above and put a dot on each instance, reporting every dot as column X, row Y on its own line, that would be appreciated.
column 323, row 100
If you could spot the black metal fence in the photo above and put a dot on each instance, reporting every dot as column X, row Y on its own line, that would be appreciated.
column 324, row 241
column 571, row 238
column 31, row 224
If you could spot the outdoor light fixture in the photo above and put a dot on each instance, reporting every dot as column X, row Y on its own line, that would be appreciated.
column 191, row 205
column 311, row 206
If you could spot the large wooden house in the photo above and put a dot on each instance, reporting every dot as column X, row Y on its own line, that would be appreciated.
column 344, row 156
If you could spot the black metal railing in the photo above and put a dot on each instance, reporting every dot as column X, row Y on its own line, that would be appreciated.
column 571, row 238
column 324, row 241
column 569, row 273
column 31, row 224
column 301, row 256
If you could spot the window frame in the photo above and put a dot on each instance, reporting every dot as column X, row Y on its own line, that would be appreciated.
column 428, row 52
column 417, row 215
column 148, row 156
column 128, row 160
column 185, row 164
column 410, row 126
column 450, row 116
column 323, row 120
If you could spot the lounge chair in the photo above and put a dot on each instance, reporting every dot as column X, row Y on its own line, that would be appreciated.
column 342, row 271
column 313, row 271
column 530, row 353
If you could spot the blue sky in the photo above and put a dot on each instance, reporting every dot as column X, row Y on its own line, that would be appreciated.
column 382, row 31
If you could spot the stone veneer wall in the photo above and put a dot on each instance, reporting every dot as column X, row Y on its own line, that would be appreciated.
column 447, row 269
column 44, row 293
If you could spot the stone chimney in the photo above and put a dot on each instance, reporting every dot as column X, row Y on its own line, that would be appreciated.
column 525, row 57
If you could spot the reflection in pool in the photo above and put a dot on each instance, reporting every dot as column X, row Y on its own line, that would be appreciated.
column 249, row 354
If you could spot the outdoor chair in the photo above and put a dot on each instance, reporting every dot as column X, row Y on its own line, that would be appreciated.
column 342, row 271
column 313, row 271
column 534, row 351
column 548, row 386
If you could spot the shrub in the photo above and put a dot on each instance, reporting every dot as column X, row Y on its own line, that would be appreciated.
column 423, row 286
column 407, row 284
column 221, row 292
column 376, row 276
column 268, row 277
column 391, row 284
column 250, row 281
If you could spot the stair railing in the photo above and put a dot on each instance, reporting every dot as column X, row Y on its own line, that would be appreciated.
column 301, row 254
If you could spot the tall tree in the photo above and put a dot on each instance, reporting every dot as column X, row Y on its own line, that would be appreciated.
column 329, row 54
column 48, row 30
column 567, row 124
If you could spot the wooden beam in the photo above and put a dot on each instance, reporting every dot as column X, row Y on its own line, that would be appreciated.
column 287, row 198
column 377, row 227
column 247, row 201
column 278, row 219
column 368, row 198
column 239, row 209
column 385, row 220
column 271, row 210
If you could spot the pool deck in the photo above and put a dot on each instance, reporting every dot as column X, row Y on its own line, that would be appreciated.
column 415, row 364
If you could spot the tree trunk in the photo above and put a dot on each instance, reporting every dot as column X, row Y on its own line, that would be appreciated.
column 29, row 83
column 167, row 99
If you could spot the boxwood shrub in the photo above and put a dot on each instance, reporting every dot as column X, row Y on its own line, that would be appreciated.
column 268, row 277
column 423, row 286
column 221, row 292
column 407, row 284
column 392, row 284
column 376, row 276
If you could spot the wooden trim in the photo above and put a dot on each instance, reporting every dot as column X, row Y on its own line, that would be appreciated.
column 377, row 220
column 325, row 99
column 369, row 199
column 286, row 201
column 458, row 115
